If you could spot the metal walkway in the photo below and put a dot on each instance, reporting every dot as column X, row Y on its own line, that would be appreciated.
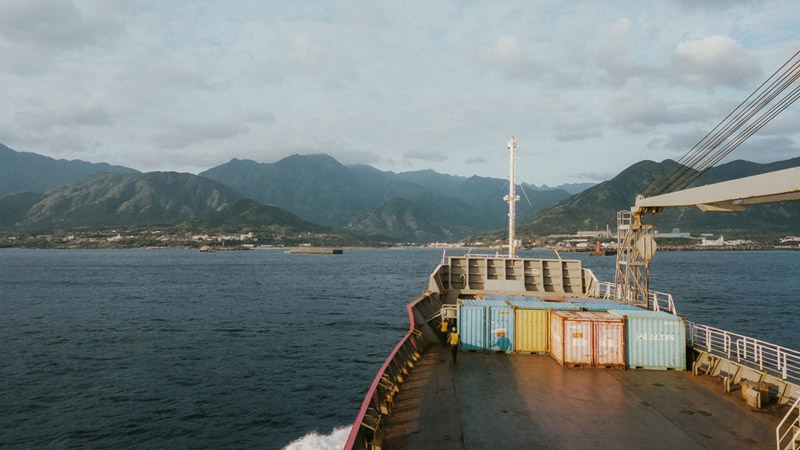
column 490, row 401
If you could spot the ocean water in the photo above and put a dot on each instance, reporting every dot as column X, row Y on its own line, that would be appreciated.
column 262, row 349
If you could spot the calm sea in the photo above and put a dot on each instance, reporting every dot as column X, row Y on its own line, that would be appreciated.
column 178, row 349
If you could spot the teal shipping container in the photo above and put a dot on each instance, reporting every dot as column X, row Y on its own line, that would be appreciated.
column 653, row 340
column 511, row 297
column 602, row 305
column 499, row 326
column 521, row 303
column 471, row 321
column 486, row 325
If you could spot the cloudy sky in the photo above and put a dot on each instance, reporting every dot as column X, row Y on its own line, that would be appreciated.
column 587, row 88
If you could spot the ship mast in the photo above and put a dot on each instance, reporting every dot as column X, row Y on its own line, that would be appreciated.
column 511, row 198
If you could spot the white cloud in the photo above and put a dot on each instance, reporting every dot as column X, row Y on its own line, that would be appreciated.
column 34, row 33
column 594, row 177
column 44, row 117
column 508, row 55
column 715, row 61
column 440, row 85
column 187, row 134
column 766, row 149
column 363, row 13
column 636, row 105
column 46, row 24
column 432, row 155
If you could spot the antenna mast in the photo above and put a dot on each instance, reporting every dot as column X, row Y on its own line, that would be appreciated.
column 511, row 198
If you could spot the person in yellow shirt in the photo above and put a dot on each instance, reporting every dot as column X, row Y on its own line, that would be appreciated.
column 455, row 341
column 444, row 329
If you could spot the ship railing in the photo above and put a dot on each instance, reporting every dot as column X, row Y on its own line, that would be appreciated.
column 766, row 357
column 367, row 430
column 658, row 301
column 487, row 255
column 592, row 283
column 662, row 301
column 792, row 430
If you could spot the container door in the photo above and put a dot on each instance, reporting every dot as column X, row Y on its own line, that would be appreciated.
column 557, row 337
column 656, row 343
column 578, row 342
column 609, row 342
column 470, row 327
column 531, row 330
column 500, row 329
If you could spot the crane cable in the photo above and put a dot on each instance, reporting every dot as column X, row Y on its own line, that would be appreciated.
column 718, row 143
column 715, row 153
column 693, row 159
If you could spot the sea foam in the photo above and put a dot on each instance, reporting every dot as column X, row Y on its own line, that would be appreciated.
column 315, row 441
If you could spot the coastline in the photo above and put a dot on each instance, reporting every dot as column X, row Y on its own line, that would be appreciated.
column 670, row 248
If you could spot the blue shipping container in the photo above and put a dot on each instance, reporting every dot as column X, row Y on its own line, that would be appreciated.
column 511, row 298
column 653, row 340
column 500, row 328
column 471, row 318
column 486, row 325
column 533, row 304
column 604, row 305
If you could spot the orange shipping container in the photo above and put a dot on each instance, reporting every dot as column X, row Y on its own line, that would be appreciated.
column 587, row 339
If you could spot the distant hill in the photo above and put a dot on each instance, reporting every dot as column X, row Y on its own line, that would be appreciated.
column 409, row 221
column 14, row 207
column 598, row 206
column 164, row 200
column 29, row 172
column 572, row 188
column 415, row 206
column 130, row 200
column 486, row 194
column 315, row 187
column 249, row 215
column 453, row 183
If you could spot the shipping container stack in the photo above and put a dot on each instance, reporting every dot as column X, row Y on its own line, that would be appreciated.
column 532, row 326
column 575, row 332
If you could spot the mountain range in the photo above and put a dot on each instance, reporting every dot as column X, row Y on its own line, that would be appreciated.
column 29, row 172
column 596, row 207
column 317, row 194
column 141, row 199
column 411, row 206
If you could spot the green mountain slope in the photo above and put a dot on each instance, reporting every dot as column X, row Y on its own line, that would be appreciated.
column 14, row 207
column 129, row 200
column 485, row 194
column 315, row 187
column 411, row 221
column 249, row 215
column 597, row 206
column 361, row 198
column 29, row 172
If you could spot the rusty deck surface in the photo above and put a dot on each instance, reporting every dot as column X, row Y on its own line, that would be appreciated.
column 490, row 401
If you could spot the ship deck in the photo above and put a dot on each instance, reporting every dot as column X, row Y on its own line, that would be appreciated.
column 490, row 401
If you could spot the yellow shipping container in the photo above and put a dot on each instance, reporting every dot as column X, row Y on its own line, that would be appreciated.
column 532, row 332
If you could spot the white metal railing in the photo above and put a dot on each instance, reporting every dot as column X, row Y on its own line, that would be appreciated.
column 659, row 301
column 780, row 361
column 607, row 290
column 792, row 429
column 486, row 255
column 593, row 284
column 662, row 302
